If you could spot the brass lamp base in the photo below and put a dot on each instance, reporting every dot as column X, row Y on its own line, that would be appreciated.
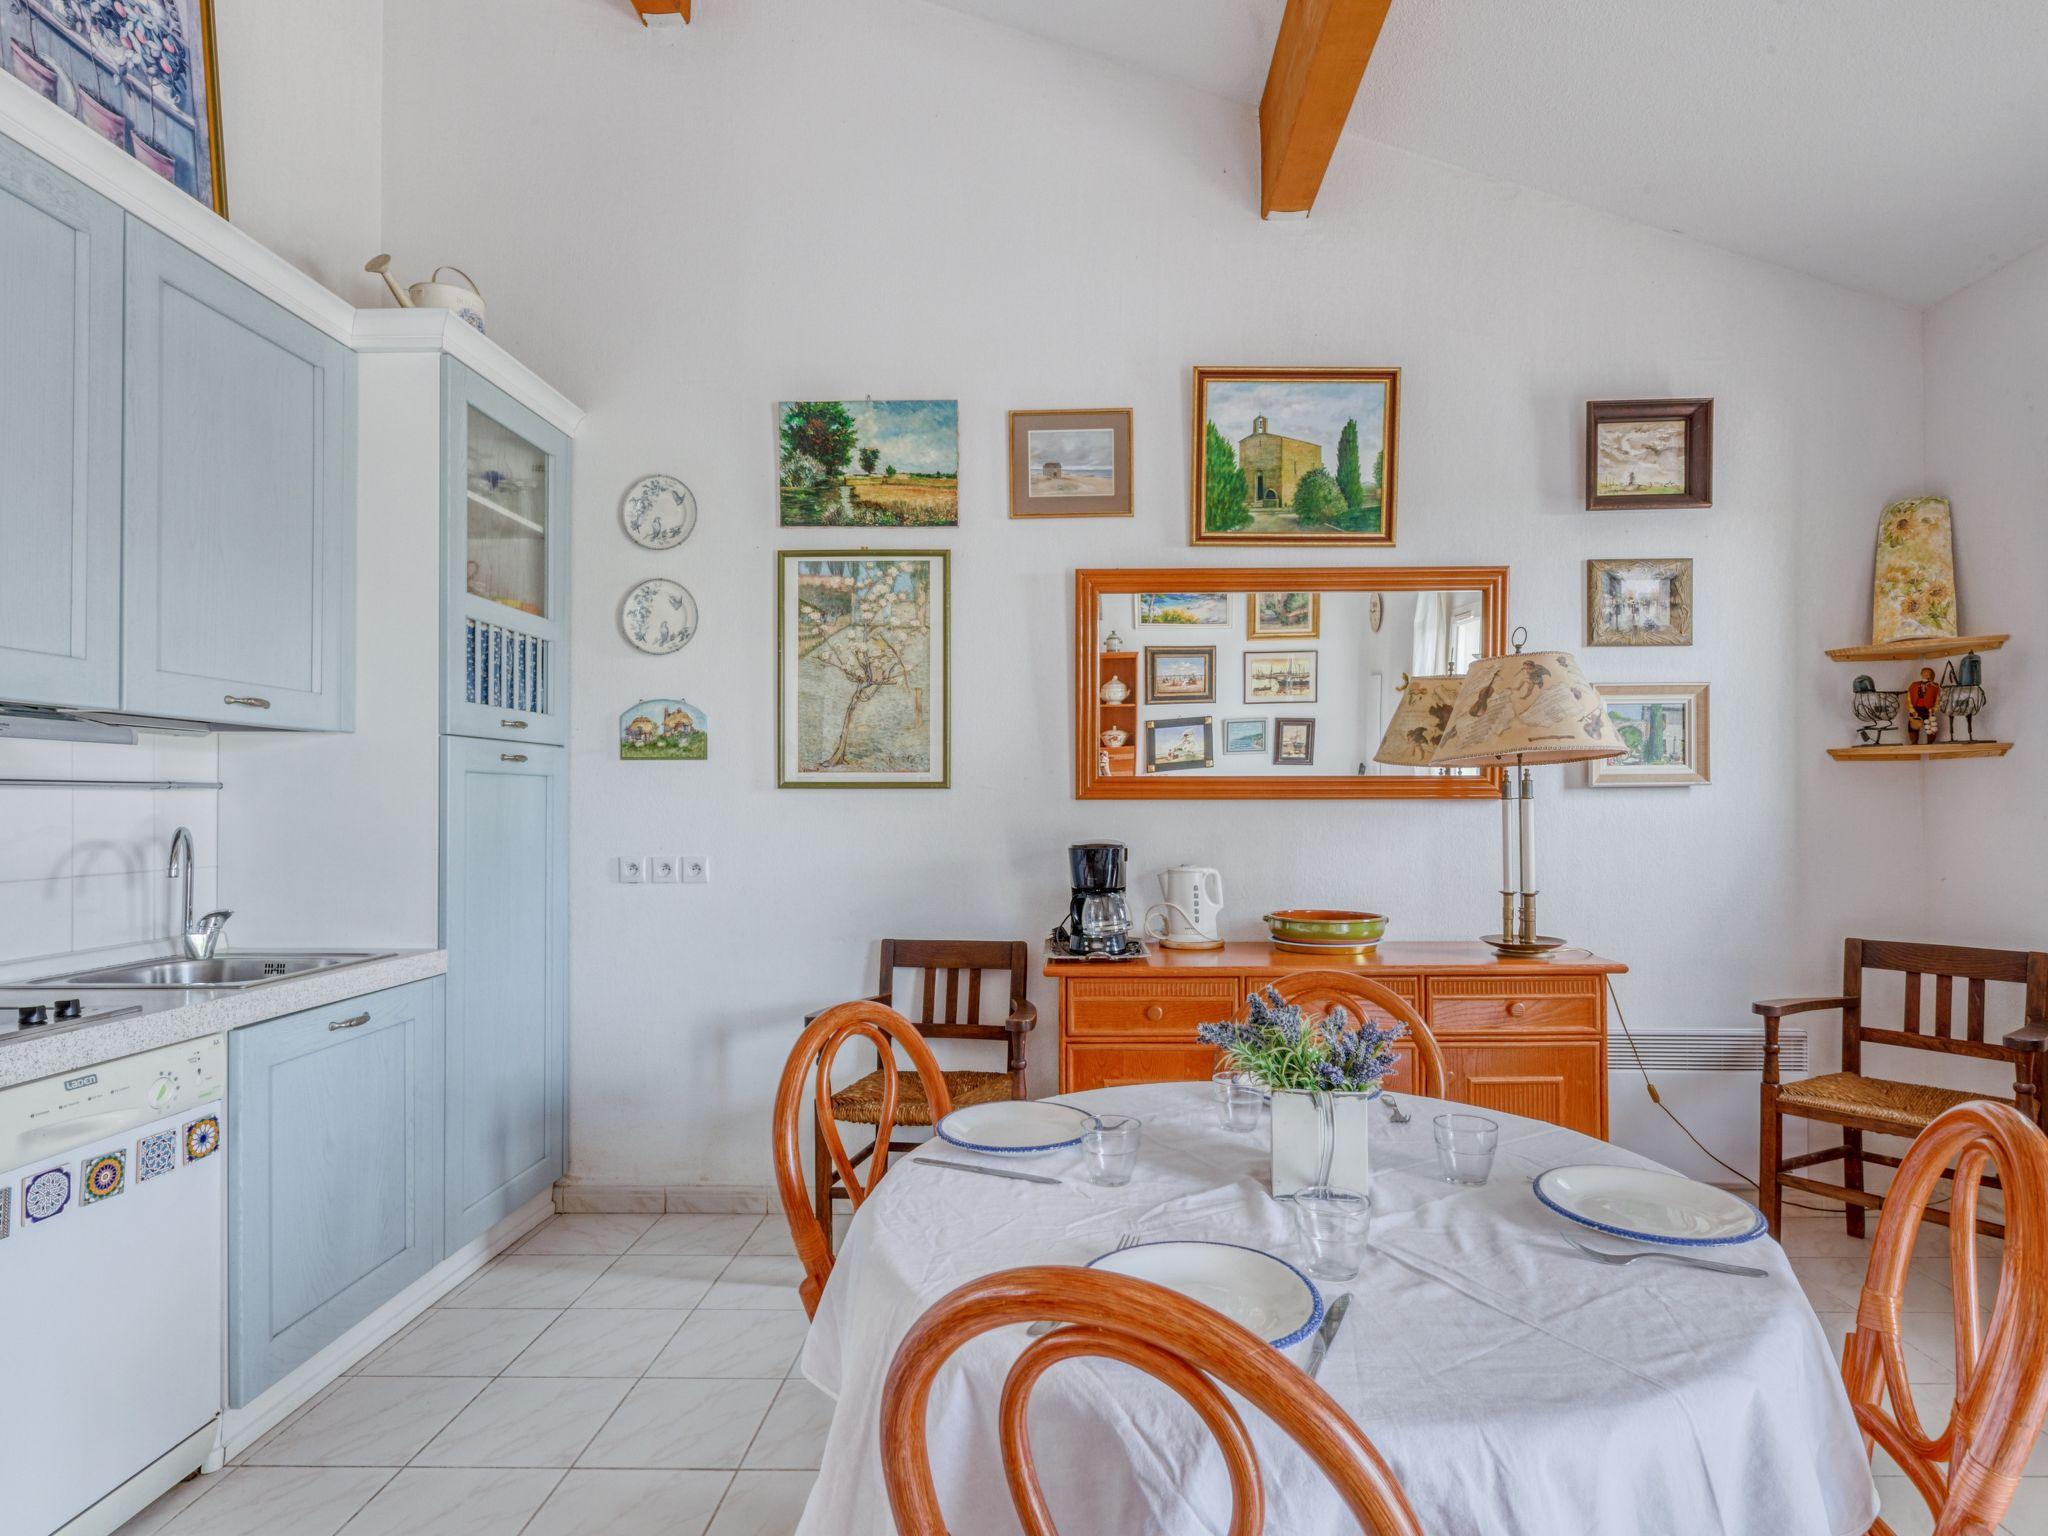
column 1541, row 944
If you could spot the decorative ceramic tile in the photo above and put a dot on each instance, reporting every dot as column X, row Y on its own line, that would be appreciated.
column 6, row 1209
column 156, row 1155
column 103, row 1177
column 45, row 1194
column 202, row 1138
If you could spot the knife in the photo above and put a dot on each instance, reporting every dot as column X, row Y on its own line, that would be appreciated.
column 1327, row 1334
column 994, row 1173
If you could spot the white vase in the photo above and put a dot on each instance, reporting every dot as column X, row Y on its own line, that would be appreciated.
column 1300, row 1123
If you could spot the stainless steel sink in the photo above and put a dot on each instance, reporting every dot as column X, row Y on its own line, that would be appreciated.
column 245, row 968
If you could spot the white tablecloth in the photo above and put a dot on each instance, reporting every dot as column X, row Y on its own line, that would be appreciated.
column 1515, row 1388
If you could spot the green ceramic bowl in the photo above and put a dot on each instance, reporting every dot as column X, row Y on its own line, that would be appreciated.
column 1299, row 925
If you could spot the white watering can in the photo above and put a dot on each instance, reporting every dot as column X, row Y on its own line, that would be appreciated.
column 467, row 303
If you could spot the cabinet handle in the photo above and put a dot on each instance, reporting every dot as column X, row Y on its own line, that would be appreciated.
column 513, row 725
column 247, row 703
column 355, row 1023
column 1517, row 1009
column 511, row 757
column 1155, row 1013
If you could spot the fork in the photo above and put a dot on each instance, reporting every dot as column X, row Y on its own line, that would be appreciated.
column 1040, row 1330
column 1395, row 1112
column 1670, row 1258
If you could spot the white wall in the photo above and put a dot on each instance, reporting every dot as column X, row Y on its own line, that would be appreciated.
column 790, row 200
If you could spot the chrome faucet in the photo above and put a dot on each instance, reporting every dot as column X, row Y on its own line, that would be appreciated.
column 200, row 937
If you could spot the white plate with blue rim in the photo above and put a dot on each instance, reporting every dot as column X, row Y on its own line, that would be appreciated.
column 1266, row 1295
column 1648, row 1205
column 1015, row 1127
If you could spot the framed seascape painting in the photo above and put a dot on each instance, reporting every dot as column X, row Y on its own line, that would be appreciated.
column 1665, row 728
column 863, row 652
column 1279, row 677
column 1649, row 453
column 1294, row 742
column 1070, row 463
column 1639, row 602
column 1283, row 615
column 1295, row 455
column 1180, row 674
column 1244, row 735
column 142, row 74
column 1190, row 610
column 870, row 463
column 1172, row 746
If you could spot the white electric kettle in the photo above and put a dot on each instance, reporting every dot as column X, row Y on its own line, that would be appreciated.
column 1186, row 919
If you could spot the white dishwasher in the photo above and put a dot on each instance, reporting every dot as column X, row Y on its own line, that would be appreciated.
column 112, row 1237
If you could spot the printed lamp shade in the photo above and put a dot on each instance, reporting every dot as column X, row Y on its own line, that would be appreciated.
column 1531, row 707
column 1418, row 724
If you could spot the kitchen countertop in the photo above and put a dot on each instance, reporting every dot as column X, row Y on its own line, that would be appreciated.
column 173, row 1015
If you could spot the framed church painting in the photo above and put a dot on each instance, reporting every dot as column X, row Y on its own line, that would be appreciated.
column 1288, row 456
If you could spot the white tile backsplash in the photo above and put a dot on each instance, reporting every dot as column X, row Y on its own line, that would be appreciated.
column 84, row 869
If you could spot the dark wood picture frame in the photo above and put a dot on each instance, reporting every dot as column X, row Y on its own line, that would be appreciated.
column 1698, row 418
column 1164, row 652
column 1116, row 502
column 1280, row 725
column 1152, row 729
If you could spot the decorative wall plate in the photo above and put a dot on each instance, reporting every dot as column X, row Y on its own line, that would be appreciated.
column 672, row 730
column 156, row 1155
column 659, row 512
column 45, row 1194
column 659, row 617
column 104, row 1177
column 202, row 1138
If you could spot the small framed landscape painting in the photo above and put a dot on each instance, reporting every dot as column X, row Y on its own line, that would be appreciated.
column 1285, row 677
column 863, row 654
column 1283, row 615
column 870, row 463
column 1639, row 602
column 1180, row 674
column 1190, row 610
column 1665, row 728
column 1174, row 745
column 1070, row 463
column 1244, row 735
column 1294, row 742
column 1295, row 455
column 664, row 730
column 1649, row 453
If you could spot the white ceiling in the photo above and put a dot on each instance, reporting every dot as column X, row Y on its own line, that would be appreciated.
column 1897, row 146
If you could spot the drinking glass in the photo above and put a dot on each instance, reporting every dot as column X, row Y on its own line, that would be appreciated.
column 1335, row 1226
column 1237, row 1101
column 1465, row 1146
column 1111, row 1144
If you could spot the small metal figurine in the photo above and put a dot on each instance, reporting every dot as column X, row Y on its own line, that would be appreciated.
column 1877, row 708
column 1923, row 703
column 1962, row 693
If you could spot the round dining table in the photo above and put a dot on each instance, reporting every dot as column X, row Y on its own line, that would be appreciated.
column 1516, row 1387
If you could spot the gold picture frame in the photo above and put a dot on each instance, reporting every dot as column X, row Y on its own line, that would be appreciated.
column 1337, row 430
column 1639, row 602
column 1257, row 625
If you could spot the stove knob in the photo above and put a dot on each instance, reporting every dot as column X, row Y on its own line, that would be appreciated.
column 31, row 1018
column 162, row 1091
column 69, row 1008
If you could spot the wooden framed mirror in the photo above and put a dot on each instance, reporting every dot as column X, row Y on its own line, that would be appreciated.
column 1270, row 682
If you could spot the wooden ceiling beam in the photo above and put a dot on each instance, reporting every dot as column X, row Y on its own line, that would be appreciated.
column 1318, row 62
column 662, row 10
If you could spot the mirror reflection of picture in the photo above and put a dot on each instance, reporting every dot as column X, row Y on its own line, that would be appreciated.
column 1175, row 745
column 1244, row 736
column 1180, row 674
column 1191, row 610
column 1294, row 742
column 1280, row 676
column 1283, row 615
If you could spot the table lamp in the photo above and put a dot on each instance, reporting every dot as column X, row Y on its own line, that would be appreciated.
column 1419, row 721
column 1518, row 710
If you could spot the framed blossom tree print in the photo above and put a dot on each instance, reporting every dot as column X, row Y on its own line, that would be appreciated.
column 863, row 647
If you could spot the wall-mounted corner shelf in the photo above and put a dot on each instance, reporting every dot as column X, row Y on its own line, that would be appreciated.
column 1928, row 648
column 1905, row 752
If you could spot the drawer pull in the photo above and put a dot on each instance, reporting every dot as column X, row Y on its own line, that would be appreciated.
column 1517, row 1008
column 251, row 702
column 355, row 1023
column 513, row 725
column 511, row 757
column 1155, row 1013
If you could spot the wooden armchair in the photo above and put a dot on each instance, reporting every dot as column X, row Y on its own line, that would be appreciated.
column 1318, row 992
column 943, row 965
column 1862, row 1105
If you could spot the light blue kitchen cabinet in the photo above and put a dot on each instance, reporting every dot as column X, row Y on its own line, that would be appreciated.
column 60, row 438
column 334, row 1173
column 504, row 922
column 240, row 429
column 505, row 533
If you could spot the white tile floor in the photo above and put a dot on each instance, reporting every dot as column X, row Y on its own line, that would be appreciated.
column 634, row 1375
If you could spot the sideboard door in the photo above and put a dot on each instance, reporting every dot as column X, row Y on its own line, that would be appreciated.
column 1554, row 1080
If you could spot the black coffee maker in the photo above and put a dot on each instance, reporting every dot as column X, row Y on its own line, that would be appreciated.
column 1098, row 921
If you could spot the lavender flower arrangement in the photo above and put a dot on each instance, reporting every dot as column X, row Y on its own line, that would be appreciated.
column 1287, row 1051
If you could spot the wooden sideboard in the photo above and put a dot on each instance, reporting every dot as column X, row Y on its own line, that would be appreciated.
column 1527, row 1037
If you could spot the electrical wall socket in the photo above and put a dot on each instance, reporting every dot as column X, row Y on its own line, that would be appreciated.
column 632, row 870
column 661, row 868
column 696, row 869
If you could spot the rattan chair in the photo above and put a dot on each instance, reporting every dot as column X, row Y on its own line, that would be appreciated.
column 1320, row 991
column 947, row 968
column 1861, row 1104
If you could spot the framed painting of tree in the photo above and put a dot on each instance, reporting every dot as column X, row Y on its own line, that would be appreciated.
column 1295, row 455
column 869, row 463
column 863, row 669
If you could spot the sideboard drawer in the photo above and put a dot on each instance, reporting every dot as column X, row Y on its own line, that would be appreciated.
column 1150, row 1005
column 1119, row 1066
column 1564, row 1005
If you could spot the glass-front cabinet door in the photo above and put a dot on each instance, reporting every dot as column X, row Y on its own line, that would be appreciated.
column 505, row 541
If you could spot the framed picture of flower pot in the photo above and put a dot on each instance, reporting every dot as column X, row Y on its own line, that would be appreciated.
column 1283, row 615
column 1639, row 602
column 863, row 658
column 1172, row 746
column 1280, row 677
column 1244, row 735
column 1070, row 463
column 1665, row 728
column 1180, row 674
column 1294, row 742
column 1295, row 455
column 1649, row 453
